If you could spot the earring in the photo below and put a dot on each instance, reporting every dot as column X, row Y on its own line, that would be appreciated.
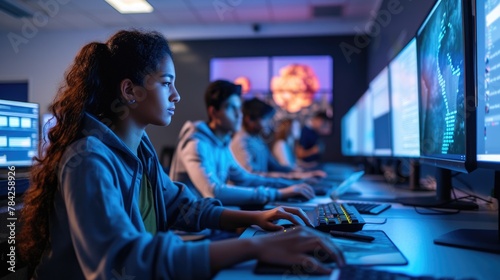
column 131, row 101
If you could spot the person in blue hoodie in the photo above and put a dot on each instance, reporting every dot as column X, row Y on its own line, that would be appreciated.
column 101, row 207
column 252, row 152
column 203, row 158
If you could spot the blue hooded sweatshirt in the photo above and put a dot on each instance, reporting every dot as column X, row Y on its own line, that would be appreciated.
column 96, row 229
column 205, row 163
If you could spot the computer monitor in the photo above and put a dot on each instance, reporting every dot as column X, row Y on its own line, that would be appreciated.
column 403, row 73
column 357, row 128
column 349, row 133
column 252, row 73
column 19, row 133
column 447, row 98
column 297, row 86
column 365, row 124
column 379, row 88
column 488, row 122
column 488, row 84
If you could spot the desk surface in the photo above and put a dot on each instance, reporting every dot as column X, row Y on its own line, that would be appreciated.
column 413, row 234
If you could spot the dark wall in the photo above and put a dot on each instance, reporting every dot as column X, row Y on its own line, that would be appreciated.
column 16, row 91
column 192, row 68
column 397, row 22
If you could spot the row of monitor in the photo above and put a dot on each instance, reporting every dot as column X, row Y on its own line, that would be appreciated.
column 438, row 99
column 423, row 104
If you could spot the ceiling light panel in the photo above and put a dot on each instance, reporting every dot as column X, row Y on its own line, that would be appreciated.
column 131, row 6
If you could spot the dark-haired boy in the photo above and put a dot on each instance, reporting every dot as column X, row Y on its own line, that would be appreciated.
column 310, row 145
column 204, row 162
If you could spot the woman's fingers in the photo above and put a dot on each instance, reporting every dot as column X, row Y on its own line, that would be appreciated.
column 299, row 212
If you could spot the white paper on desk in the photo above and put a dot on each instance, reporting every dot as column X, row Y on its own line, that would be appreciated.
column 380, row 251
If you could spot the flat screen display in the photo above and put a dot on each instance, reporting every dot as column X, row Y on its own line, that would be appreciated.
column 19, row 133
column 379, row 88
column 447, row 119
column 404, row 102
column 488, row 81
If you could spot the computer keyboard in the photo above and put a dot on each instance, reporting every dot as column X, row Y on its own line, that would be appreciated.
column 370, row 208
column 363, row 273
column 335, row 216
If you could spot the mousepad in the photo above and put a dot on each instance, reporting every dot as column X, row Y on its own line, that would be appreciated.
column 380, row 251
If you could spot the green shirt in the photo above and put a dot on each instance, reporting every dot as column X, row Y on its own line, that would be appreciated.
column 147, row 205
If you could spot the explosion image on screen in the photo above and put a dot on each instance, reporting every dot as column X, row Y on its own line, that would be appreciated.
column 295, row 87
column 245, row 84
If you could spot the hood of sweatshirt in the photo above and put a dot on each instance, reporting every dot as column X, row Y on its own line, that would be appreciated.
column 200, row 130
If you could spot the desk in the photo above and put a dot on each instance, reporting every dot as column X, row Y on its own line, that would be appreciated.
column 413, row 234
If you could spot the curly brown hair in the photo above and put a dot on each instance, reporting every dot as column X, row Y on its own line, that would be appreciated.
column 91, row 86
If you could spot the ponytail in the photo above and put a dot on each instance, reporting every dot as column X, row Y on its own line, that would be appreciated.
column 91, row 85
column 85, row 79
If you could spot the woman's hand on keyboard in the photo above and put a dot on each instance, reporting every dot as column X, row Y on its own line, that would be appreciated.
column 265, row 219
column 297, row 191
column 300, row 247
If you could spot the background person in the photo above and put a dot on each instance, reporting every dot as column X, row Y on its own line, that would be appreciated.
column 250, row 149
column 204, row 161
column 310, row 145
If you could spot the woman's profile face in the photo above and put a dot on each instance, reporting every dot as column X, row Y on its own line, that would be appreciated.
column 158, row 96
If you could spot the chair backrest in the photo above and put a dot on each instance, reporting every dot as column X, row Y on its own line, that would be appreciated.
column 167, row 153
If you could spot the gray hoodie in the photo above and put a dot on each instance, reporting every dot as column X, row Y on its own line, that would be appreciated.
column 206, row 164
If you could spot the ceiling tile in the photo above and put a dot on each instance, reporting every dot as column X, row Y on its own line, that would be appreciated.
column 331, row 2
column 93, row 14
column 288, row 2
column 254, row 15
column 178, row 16
column 289, row 12
column 169, row 4
column 211, row 15
column 78, row 21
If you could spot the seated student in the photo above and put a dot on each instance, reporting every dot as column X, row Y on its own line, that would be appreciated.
column 310, row 145
column 204, row 162
column 99, row 204
column 283, row 145
column 252, row 152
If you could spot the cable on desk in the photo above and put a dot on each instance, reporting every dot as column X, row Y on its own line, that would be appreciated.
column 473, row 196
column 456, row 176
column 438, row 211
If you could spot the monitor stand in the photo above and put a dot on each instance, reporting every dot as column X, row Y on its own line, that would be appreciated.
column 413, row 183
column 442, row 198
column 476, row 239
